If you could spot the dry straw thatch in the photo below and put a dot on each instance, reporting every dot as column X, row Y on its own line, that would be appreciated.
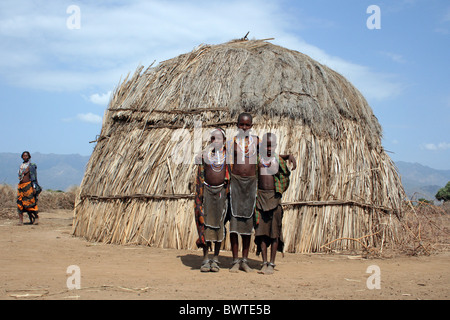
column 345, row 193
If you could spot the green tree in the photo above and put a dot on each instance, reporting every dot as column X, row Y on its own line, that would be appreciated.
column 423, row 200
column 444, row 193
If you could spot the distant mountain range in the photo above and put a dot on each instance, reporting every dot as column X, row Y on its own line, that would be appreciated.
column 55, row 171
column 60, row 172
column 420, row 181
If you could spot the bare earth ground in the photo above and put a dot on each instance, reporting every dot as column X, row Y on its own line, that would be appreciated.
column 34, row 261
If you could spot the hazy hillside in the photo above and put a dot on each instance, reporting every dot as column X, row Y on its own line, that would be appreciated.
column 421, row 181
column 55, row 171
column 59, row 172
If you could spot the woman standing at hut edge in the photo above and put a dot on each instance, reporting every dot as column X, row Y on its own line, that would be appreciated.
column 28, row 190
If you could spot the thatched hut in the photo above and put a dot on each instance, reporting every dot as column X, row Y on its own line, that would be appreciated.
column 345, row 193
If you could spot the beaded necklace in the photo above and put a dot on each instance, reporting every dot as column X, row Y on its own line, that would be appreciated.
column 266, row 162
column 245, row 147
column 217, row 160
column 270, row 165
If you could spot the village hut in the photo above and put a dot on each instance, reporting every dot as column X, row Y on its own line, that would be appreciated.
column 139, row 182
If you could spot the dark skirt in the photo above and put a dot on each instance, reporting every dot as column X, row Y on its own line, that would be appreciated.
column 270, row 213
column 242, row 203
column 215, row 205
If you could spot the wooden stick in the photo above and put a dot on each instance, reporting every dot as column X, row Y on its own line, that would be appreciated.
column 175, row 111
column 336, row 203
column 170, row 175
column 357, row 240
column 139, row 196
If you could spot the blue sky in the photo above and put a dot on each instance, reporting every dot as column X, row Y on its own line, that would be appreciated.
column 55, row 80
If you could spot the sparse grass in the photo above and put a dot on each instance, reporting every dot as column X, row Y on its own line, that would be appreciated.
column 48, row 200
column 426, row 229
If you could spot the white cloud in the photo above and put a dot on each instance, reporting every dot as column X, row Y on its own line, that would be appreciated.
column 446, row 16
column 85, row 117
column 394, row 56
column 441, row 30
column 114, row 39
column 430, row 146
column 100, row 99
column 438, row 146
column 373, row 85
column 89, row 117
column 443, row 23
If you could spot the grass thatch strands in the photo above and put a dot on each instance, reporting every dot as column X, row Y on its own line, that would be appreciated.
column 135, row 190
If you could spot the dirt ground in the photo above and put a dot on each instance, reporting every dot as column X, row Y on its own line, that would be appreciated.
column 34, row 261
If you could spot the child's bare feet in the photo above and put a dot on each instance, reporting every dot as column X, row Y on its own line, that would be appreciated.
column 20, row 223
column 270, row 268
column 244, row 266
column 263, row 268
column 206, row 266
column 214, row 266
column 235, row 266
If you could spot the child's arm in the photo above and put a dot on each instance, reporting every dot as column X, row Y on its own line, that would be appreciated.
column 291, row 159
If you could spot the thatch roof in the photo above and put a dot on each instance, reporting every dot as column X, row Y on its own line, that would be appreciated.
column 345, row 186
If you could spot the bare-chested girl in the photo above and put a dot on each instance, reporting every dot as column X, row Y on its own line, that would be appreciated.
column 211, row 199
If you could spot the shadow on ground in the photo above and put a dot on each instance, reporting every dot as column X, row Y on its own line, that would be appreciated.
column 194, row 261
